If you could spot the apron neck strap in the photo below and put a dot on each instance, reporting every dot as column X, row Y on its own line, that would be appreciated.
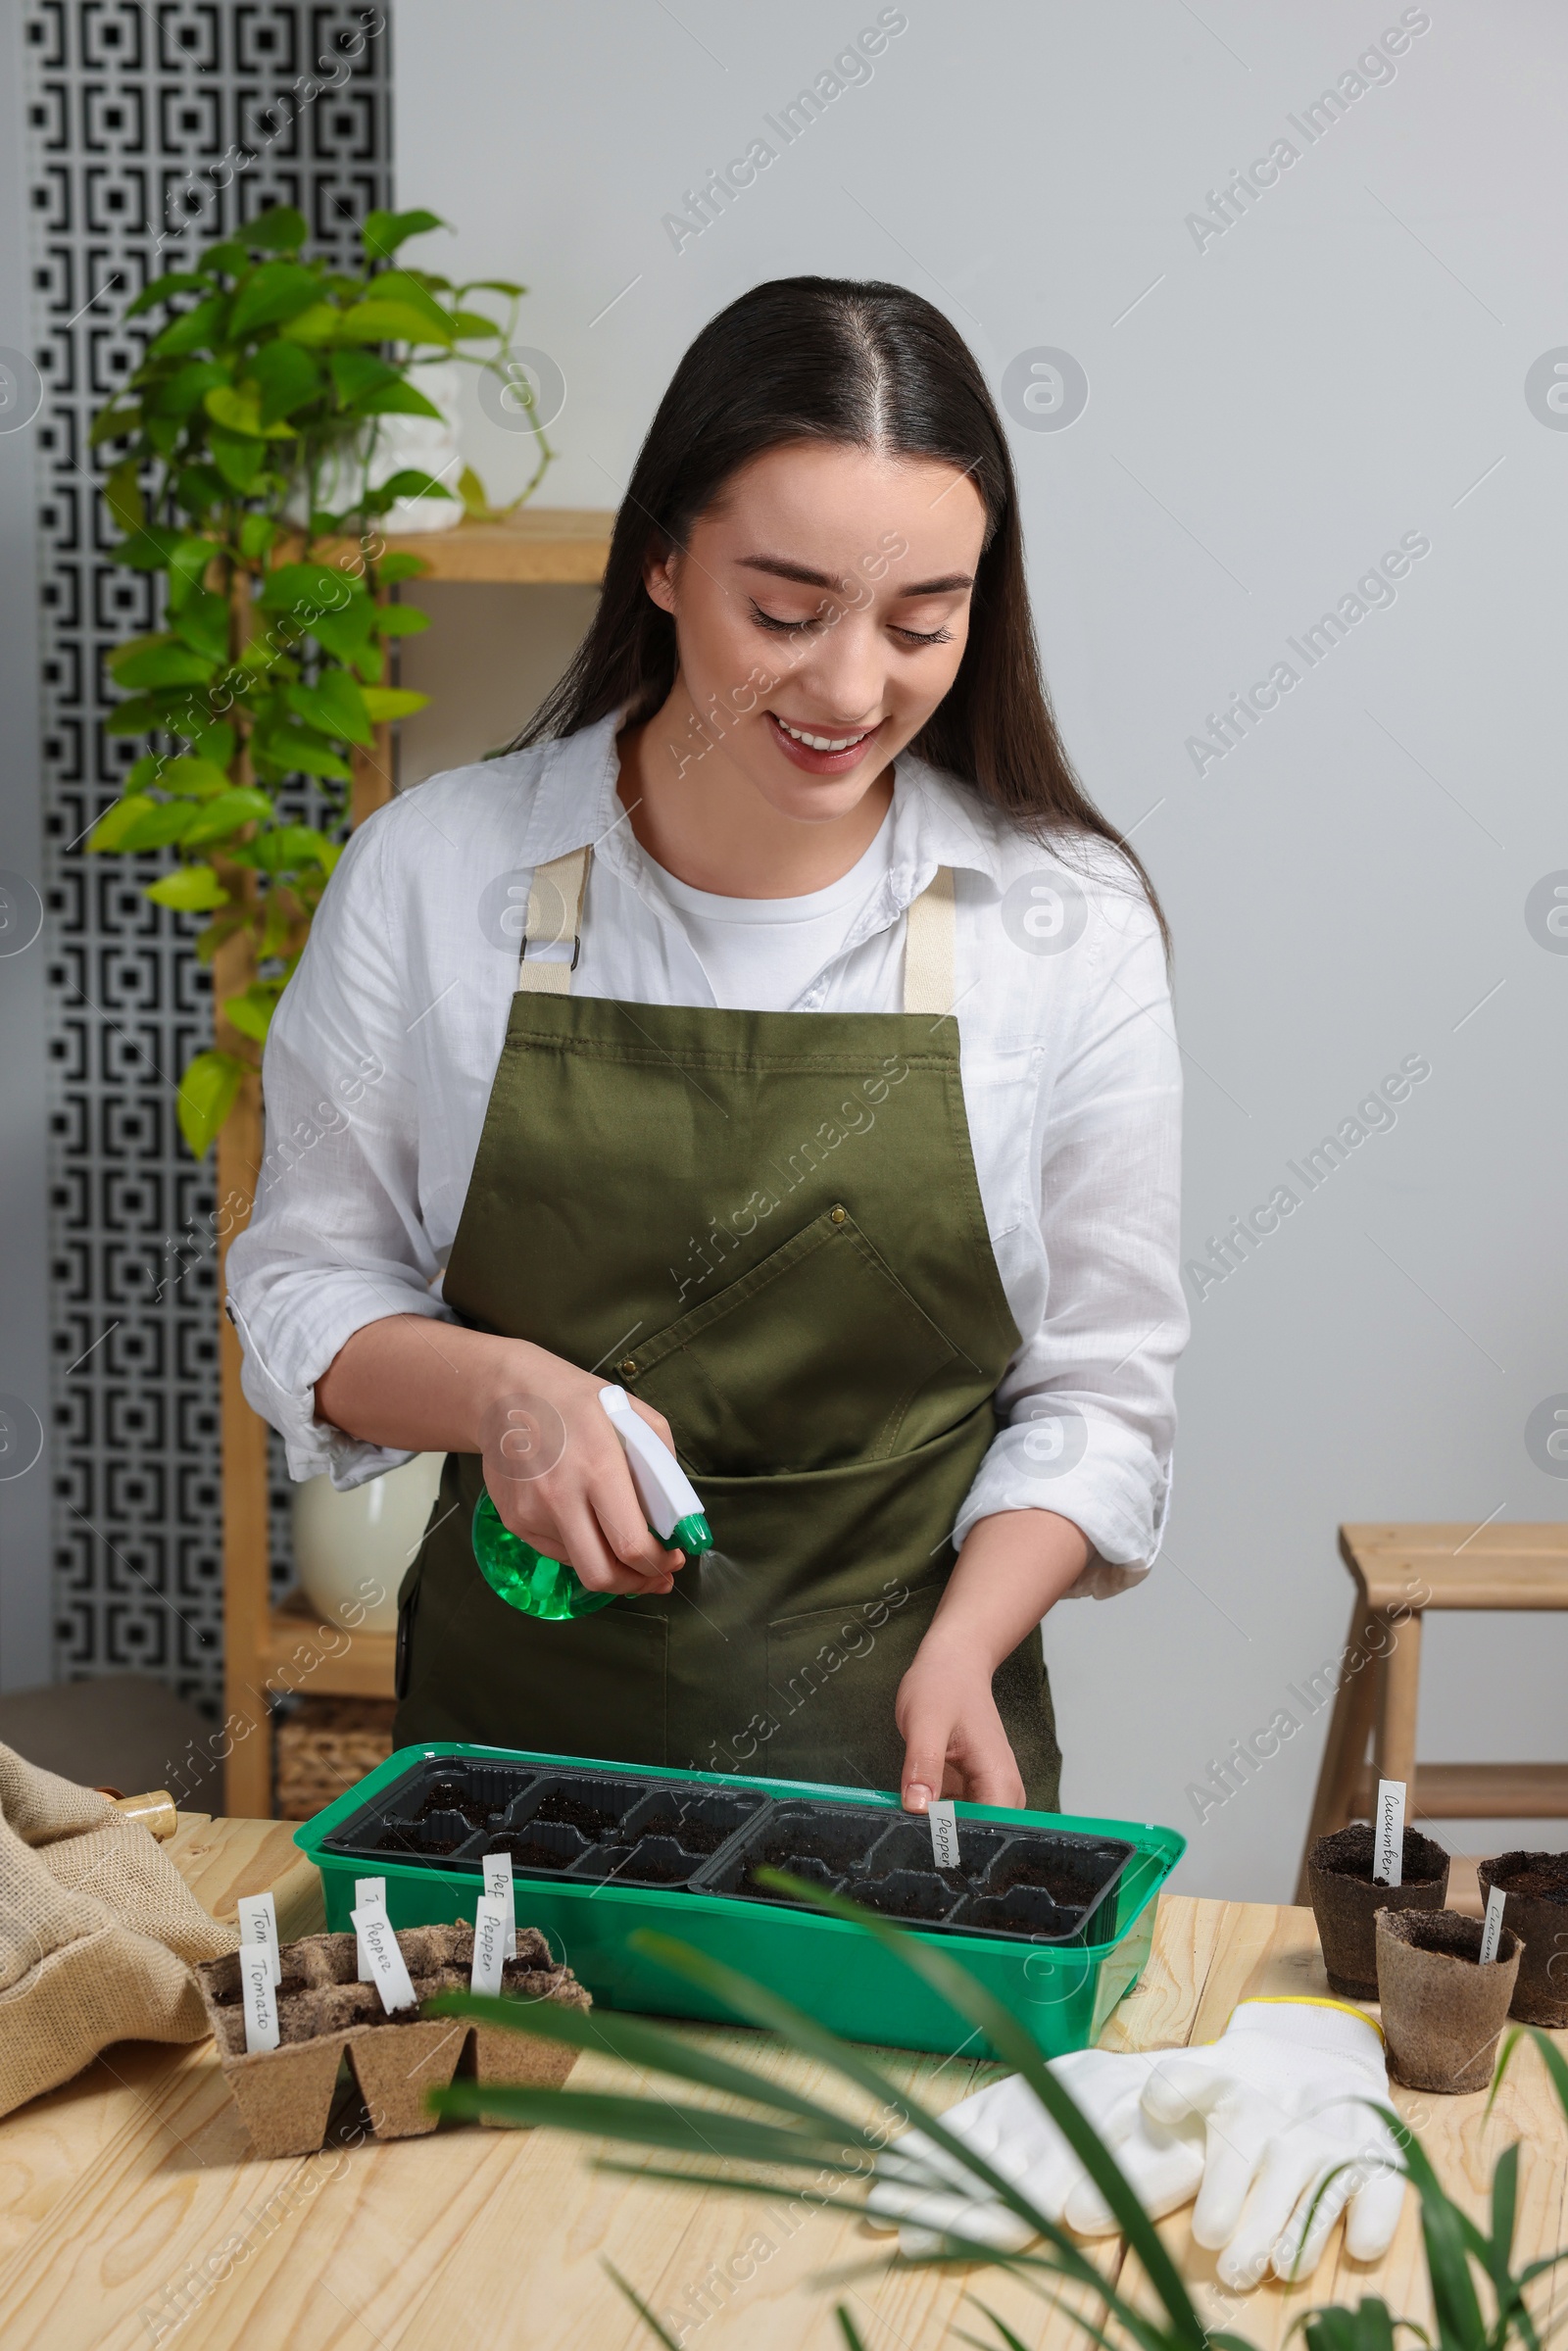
column 555, row 915
column 928, row 929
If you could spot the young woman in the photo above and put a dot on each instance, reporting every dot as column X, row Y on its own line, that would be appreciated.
column 828, row 1103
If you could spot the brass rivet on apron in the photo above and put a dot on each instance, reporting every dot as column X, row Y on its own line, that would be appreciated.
column 627, row 1367
column 838, row 1215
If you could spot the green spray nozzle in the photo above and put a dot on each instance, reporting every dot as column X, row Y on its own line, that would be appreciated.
column 692, row 1535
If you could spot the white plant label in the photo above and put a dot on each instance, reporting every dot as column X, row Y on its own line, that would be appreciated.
column 258, row 1924
column 492, row 1933
column 1388, row 1834
column 1492, row 1930
column 943, row 1836
column 370, row 1894
column 391, row 1974
column 259, row 1998
column 498, row 1887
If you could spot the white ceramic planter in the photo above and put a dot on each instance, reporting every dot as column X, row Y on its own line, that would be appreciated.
column 351, row 1551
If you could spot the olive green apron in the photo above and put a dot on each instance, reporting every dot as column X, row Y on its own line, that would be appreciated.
column 767, row 1226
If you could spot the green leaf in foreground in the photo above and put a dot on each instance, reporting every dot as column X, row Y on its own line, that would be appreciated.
column 384, row 231
column 239, row 804
column 207, row 1094
column 386, row 703
column 400, row 564
column 116, row 822
column 251, row 1013
column 848, row 2146
column 193, row 778
column 649, row 2319
column 163, row 823
column 160, row 661
column 189, row 890
column 335, row 705
column 175, row 281
column 279, row 229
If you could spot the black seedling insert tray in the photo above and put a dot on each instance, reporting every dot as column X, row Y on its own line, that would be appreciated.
column 1033, row 1885
column 554, row 1824
column 645, row 1830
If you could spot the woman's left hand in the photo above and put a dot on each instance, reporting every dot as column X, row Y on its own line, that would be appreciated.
column 1014, row 1565
column 955, row 1745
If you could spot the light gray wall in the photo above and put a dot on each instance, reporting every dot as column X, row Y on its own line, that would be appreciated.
column 25, row 1600
column 1269, row 410
column 488, row 659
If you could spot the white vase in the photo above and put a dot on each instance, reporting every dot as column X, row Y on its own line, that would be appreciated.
column 386, row 445
column 351, row 1551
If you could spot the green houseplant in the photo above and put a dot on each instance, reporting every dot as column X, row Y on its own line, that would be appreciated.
column 240, row 471
column 1480, row 2301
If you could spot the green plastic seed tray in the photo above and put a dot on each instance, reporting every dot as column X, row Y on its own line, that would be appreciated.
column 1054, row 1912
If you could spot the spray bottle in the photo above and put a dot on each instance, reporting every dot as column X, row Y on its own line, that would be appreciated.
column 546, row 1588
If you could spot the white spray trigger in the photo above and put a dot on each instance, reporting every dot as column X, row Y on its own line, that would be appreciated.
column 663, row 1488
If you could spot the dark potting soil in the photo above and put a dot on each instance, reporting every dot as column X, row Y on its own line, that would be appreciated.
column 660, row 1869
column 800, row 1842
column 916, row 1898
column 1347, row 1853
column 798, row 1865
column 697, row 1837
column 1440, row 1932
column 1029, row 1870
column 574, row 1812
column 529, row 1852
column 1542, row 1876
column 449, row 1795
column 410, row 1837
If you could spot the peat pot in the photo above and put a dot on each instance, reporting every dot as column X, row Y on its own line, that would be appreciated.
column 1345, row 1897
column 1442, row 2010
column 1535, row 1890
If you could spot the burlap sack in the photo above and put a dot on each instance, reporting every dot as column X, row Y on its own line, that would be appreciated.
column 98, row 1934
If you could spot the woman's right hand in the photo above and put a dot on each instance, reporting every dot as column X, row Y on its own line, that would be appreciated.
column 552, row 1461
column 557, row 1474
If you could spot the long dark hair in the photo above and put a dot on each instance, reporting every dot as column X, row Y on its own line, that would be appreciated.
column 872, row 367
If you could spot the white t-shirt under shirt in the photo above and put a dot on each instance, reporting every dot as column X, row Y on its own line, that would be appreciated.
column 761, row 954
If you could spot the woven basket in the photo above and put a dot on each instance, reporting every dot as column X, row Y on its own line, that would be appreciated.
column 327, row 1746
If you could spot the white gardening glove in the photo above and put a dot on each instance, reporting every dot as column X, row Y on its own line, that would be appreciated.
column 925, row 2193
column 1283, row 2094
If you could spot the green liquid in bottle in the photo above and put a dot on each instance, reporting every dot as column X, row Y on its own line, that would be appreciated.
column 546, row 1588
column 524, row 1577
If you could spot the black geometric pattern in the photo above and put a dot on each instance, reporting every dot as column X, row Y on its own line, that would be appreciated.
column 150, row 129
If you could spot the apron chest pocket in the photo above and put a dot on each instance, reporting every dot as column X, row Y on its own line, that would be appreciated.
column 815, row 1358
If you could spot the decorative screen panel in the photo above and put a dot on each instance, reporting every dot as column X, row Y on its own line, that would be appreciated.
column 151, row 129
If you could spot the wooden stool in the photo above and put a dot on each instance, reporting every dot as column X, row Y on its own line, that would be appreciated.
column 1399, row 1573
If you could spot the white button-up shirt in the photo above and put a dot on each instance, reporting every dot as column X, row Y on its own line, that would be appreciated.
column 382, row 1049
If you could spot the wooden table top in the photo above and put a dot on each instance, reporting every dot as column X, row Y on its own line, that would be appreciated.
column 132, row 2213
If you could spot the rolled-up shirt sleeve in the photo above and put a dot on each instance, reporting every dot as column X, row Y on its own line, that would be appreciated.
column 336, row 1241
column 1088, row 1399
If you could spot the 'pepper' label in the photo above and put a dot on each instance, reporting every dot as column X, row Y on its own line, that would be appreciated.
column 943, row 1836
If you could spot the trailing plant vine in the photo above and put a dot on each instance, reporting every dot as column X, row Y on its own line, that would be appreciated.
column 242, row 455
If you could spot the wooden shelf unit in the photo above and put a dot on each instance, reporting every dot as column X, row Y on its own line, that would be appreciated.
column 537, row 547
column 271, row 1651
